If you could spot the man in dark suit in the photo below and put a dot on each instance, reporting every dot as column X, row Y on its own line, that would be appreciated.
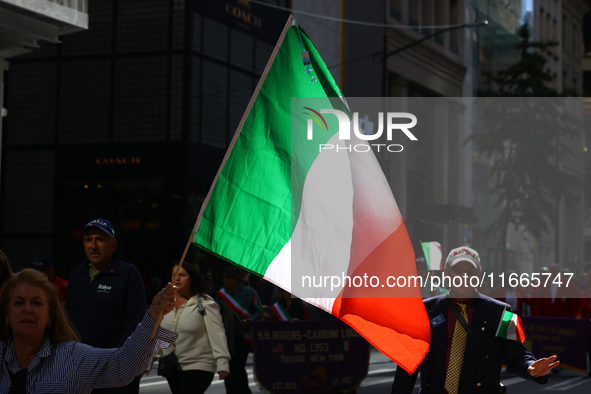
column 448, row 353
column 106, row 295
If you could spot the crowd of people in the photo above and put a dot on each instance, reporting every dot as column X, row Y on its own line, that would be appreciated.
column 105, row 311
column 557, row 294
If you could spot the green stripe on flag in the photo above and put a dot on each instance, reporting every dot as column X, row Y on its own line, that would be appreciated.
column 510, row 327
column 504, row 324
column 256, row 178
column 426, row 252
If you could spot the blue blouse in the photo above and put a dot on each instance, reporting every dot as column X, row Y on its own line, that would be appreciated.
column 73, row 367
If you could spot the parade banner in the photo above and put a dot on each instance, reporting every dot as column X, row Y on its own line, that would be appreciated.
column 322, row 356
column 565, row 337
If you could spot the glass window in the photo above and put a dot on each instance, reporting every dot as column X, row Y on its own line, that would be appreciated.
column 215, row 105
column 215, row 39
column 85, row 103
column 263, row 52
column 98, row 39
column 241, row 50
column 140, row 106
column 31, row 104
column 427, row 17
column 28, row 192
column 176, row 98
column 197, row 32
column 196, row 78
column 396, row 9
column 241, row 90
column 142, row 25
column 414, row 12
column 178, row 24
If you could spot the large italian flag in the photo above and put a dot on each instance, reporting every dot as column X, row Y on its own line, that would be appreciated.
column 283, row 208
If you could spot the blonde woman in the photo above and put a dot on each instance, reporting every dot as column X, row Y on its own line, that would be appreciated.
column 40, row 351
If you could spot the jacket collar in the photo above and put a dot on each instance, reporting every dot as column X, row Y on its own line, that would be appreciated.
column 441, row 305
column 9, row 356
column 112, row 268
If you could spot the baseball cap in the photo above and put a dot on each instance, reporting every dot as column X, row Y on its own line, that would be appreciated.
column 43, row 262
column 102, row 224
column 463, row 253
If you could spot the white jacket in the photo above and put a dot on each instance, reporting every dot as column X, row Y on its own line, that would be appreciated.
column 202, row 340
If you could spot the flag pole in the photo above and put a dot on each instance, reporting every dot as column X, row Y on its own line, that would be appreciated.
column 159, row 320
column 289, row 23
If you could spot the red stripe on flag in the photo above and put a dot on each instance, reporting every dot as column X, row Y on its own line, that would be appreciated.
column 398, row 327
column 519, row 330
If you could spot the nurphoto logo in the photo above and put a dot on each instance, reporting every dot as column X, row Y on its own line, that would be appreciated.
column 344, row 133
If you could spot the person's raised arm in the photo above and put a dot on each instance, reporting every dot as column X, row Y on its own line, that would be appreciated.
column 117, row 367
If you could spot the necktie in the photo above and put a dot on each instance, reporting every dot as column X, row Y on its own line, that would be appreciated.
column 456, row 357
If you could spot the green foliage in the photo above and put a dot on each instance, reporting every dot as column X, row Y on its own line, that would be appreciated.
column 525, row 140
column 528, row 77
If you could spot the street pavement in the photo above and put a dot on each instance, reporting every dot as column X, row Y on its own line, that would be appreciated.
column 380, row 376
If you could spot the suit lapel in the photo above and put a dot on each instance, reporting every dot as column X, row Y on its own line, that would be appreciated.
column 438, row 349
column 438, row 317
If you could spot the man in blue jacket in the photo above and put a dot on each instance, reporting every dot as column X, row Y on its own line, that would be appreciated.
column 106, row 297
column 454, row 368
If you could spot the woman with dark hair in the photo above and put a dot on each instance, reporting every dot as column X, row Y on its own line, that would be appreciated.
column 40, row 350
column 201, row 347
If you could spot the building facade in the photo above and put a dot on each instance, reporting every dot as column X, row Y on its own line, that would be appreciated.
column 130, row 120
column 24, row 28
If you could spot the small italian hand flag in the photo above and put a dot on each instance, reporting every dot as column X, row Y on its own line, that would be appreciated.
column 510, row 327
column 433, row 255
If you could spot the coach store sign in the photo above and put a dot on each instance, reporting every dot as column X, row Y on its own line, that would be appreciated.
column 258, row 20
column 242, row 14
column 117, row 161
